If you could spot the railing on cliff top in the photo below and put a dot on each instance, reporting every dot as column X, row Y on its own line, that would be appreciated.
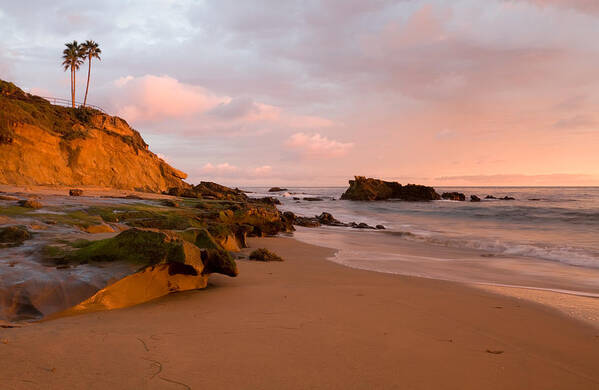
column 69, row 103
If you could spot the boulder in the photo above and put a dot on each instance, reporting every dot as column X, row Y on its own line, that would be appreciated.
column 168, row 264
column 277, row 189
column 6, row 197
column 457, row 196
column 474, row 198
column 262, row 254
column 306, row 222
column 210, row 190
column 327, row 219
column 490, row 197
column 380, row 227
column 362, row 188
column 75, row 192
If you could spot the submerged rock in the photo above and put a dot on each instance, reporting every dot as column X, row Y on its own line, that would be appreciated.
column 457, row 196
column 262, row 254
column 474, row 198
column 363, row 188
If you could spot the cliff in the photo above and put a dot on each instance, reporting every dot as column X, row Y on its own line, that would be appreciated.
column 45, row 144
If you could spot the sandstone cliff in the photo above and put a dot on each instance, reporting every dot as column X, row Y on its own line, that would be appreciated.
column 45, row 144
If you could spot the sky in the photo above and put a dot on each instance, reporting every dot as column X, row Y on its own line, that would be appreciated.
column 298, row 93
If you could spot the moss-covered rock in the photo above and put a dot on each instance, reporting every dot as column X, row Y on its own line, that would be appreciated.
column 30, row 204
column 13, row 236
column 263, row 254
column 219, row 261
column 136, row 246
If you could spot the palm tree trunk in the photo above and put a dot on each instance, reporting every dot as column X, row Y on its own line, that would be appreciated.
column 72, row 88
column 89, row 70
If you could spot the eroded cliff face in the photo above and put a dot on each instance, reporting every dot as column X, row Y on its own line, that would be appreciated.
column 44, row 144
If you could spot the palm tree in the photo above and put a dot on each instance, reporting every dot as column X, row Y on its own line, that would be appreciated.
column 90, row 49
column 72, row 60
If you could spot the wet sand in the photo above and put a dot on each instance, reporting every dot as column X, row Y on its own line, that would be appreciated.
column 308, row 323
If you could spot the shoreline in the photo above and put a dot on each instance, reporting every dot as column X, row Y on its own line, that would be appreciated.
column 308, row 322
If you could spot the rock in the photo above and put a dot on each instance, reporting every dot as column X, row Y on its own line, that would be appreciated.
column 75, row 192
column 374, row 189
column 6, row 197
column 20, row 307
column 62, row 146
column 210, row 190
column 269, row 200
column 306, row 222
column 277, row 189
column 168, row 264
column 262, row 254
column 504, row 198
column 314, row 199
column 457, row 196
column 182, row 192
column 96, row 229
column 170, row 203
column 474, row 198
column 296, row 198
column 360, row 225
column 327, row 219
column 30, row 203
column 380, row 227
column 13, row 236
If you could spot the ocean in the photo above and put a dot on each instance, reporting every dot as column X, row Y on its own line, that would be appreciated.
column 548, row 237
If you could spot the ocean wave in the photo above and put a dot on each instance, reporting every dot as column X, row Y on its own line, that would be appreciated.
column 563, row 254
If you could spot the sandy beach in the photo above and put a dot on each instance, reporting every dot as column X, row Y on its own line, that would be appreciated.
column 308, row 323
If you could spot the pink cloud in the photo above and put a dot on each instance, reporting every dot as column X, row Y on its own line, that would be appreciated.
column 154, row 99
column 316, row 145
column 219, row 169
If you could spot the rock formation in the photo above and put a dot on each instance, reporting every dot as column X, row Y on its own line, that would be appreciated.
column 45, row 144
column 457, row 196
column 363, row 188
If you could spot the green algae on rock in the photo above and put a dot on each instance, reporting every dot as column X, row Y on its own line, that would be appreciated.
column 262, row 254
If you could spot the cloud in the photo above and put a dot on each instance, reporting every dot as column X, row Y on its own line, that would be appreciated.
column 219, row 169
column 316, row 145
column 584, row 6
column 180, row 107
column 576, row 123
